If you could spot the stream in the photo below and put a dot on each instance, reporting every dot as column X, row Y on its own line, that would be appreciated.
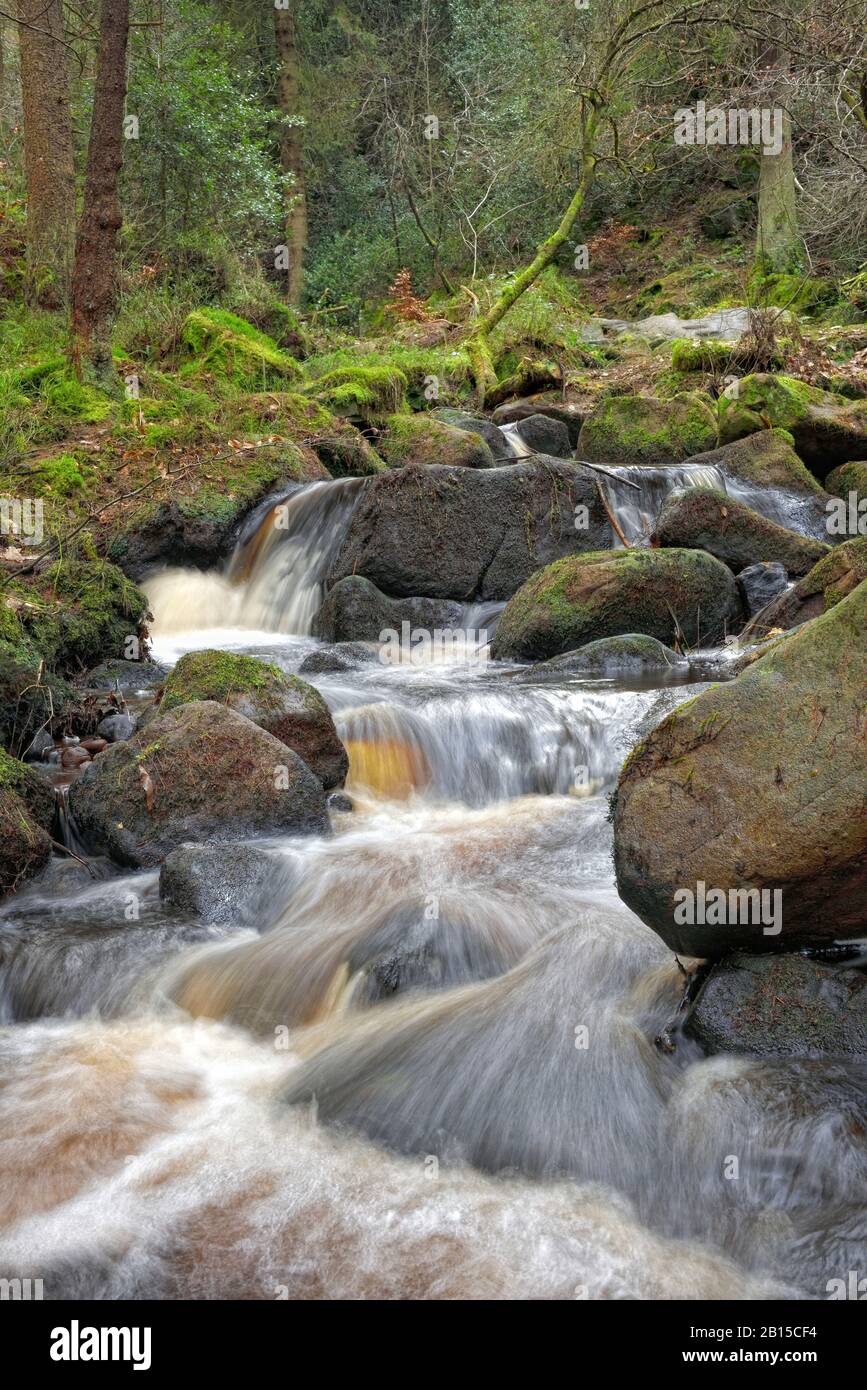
column 421, row 1064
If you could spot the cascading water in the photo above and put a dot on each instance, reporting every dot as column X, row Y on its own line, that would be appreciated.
column 273, row 582
column 251, row 1109
column 636, row 495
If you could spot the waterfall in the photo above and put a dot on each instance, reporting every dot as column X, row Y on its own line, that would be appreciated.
column 517, row 448
column 274, row 580
column 636, row 496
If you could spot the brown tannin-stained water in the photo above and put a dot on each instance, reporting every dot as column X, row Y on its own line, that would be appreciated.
column 421, row 1064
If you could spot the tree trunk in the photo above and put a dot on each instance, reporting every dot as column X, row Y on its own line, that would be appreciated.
column 291, row 148
column 778, row 245
column 477, row 343
column 94, row 276
column 48, row 152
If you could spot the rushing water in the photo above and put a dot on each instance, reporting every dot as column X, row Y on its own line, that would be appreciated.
column 421, row 1063
column 636, row 495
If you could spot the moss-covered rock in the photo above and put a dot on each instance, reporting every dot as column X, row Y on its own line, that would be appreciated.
column 835, row 576
column 642, row 430
column 26, row 814
column 704, row 519
column 848, row 478
column 201, row 529
column 477, row 424
column 30, row 699
column 676, row 596
column 199, row 772
column 766, row 459
column 284, row 705
column 827, row 429
column 346, row 453
column 631, row 654
column 780, row 1006
column 80, row 612
column 422, row 440
column 222, row 345
column 365, row 393
column 710, row 799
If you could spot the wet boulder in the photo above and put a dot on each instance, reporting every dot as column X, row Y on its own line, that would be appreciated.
column 632, row 654
column 476, row 424
column 201, row 771
column 285, row 706
column 567, row 412
column 468, row 533
column 764, row 460
column 741, row 821
column 26, row 816
column 703, row 518
column 827, row 429
column 116, row 727
column 760, row 583
column 356, row 612
column 664, row 594
column 340, row 656
column 835, row 576
column 220, row 883
column 544, row 435
column 643, row 430
column 421, row 440
column 780, row 1006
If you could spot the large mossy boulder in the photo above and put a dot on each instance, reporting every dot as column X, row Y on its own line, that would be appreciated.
column 765, row 459
column 80, row 612
column 216, row 343
column 828, row 430
column 672, row 595
column 849, row 478
column 26, row 816
column 835, row 576
column 780, row 1006
column 421, row 440
column 643, row 430
column 356, row 611
column 201, row 529
column 705, row 519
column 284, row 705
column 200, row 772
column 362, row 393
column 470, row 533
column 757, row 784
column 476, row 424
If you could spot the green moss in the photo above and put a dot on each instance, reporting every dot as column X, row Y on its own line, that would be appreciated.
column 215, row 675
column 222, row 345
column 803, row 294
column 370, row 393
column 646, row 430
column 849, row 477
column 418, row 439
column 88, row 610
column 766, row 400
